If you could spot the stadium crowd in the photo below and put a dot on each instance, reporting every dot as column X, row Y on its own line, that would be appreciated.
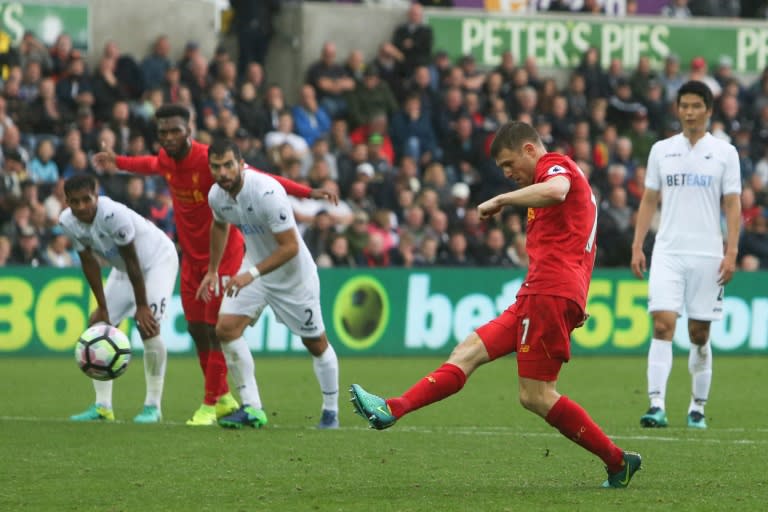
column 403, row 136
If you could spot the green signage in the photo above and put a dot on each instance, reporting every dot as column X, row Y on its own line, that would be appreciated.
column 559, row 42
column 386, row 312
column 47, row 20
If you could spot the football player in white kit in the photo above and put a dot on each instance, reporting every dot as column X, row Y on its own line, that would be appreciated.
column 277, row 271
column 144, row 267
column 690, row 173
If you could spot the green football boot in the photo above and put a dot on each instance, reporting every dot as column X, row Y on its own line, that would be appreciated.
column 149, row 414
column 94, row 413
column 245, row 416
column 621, row 478
column 371, row 407
column 696, row 420
column 655, row 417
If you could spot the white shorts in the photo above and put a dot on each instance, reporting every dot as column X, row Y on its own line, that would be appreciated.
column 678, row 281
column 159, row 282
column 298, row 308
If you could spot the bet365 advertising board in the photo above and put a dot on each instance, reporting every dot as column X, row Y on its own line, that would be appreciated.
column 385, row 312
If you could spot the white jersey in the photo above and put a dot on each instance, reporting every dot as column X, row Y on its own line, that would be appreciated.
column 260, row 210
column 116, row 225
column 692, row 181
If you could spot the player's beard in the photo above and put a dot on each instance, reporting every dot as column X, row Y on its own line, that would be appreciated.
column 232, row 186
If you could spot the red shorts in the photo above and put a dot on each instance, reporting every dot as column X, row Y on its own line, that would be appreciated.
column 538, row 328
column 197, row 311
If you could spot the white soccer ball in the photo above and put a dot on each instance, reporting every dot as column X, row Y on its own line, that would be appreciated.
column 103, row 352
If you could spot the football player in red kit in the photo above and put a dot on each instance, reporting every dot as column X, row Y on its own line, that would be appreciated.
column 562, row 221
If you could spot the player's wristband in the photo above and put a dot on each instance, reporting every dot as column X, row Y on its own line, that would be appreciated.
column 254, row 272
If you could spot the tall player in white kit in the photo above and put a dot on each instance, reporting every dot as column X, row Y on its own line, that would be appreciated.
column 144, row 267
column 692, row 173
column 277, row 271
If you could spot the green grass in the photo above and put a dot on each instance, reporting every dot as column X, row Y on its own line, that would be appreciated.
column 477, row 451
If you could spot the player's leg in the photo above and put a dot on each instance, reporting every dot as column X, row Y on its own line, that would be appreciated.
column 326, row 367
column 160, row 281
column 119, row 295
column 443, row 382
column 666, row 285
column 201, row 325
column 490, row 341
column 235, row 315
column 700, row 368
column 543, row 348
column 300, row 311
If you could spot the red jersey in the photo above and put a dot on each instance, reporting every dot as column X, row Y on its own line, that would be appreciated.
column 189, row 181
column 561, row 238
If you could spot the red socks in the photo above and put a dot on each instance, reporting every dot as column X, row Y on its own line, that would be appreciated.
column 215, row 373
column 574, row 423
column 442, row 383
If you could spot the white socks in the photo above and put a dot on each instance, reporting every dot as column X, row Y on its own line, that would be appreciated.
column 241, row 368
column 659, row 366
column 155, row 357
column 327, row 372
column 103, row 393
column 700, row 366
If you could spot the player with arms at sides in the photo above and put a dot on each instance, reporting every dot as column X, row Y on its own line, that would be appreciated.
column 184, row 164
column 560, row 243
column 277, row 271
column 144, row 269
column 690, row 172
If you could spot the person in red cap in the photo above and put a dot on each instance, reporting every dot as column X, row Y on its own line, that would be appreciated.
column 699, row 73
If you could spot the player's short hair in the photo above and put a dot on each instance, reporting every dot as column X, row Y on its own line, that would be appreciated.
column 173, row 110
column 513, row 135
column 79, row 182
column 220, row 146
column 699, row 89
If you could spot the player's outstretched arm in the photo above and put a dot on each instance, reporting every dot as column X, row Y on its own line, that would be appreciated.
column 145, row 320
column 92, row 272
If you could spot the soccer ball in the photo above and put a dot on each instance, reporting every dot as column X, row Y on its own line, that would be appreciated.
column 103, row 352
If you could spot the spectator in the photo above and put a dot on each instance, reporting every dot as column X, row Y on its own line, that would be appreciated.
column 74, row 89
column 154, row 65
column 671, row 78
column 338, row 252
column 413, row 41
column 754, row 240
column 427, row 255
column 31, row 49
column 412, row 133
column 456, row 254
column 47, row 114
column 404, row 254
column 699, row 73
column 284, row 135
column 369, row 98
column 61, row 54
column 57, row 251
column 357, row 234
column 106, row 89
column 622, row 107
column 374, row 254
column 331, row 81
column 127, row 72
column 27, row 251
column 42, row 168
column 30, row 81
column 494, row 252
column 253, row 23
column 311, row 120
column 318, row 235
column 55, row 202
column 250, row 111
column 615, row 230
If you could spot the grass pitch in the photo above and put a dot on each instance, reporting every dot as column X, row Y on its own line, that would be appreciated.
column 477, row 451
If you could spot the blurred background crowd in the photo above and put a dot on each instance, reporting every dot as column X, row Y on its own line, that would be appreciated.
column 402, row 136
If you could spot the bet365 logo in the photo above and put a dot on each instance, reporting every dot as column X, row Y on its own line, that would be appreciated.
column 361, row 312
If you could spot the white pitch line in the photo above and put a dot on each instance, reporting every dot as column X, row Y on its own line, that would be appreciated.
column 464, row 430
